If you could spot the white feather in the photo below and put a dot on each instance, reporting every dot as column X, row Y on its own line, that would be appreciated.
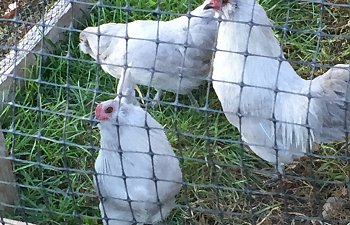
column 133, row 160
column 265, row 71
column 175, row 65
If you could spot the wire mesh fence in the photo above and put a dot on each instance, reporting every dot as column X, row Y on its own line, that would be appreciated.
column 215, row 147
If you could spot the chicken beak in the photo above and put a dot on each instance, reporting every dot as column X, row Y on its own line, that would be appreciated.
column 209, row 6
column 94, row 122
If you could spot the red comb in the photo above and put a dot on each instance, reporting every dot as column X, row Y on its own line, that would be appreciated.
column 99, row 112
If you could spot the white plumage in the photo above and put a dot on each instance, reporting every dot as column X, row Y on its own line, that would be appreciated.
column 138, row 175
column 262, row 87
column 181, row 61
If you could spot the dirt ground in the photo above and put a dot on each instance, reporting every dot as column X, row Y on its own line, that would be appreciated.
column 18, row 22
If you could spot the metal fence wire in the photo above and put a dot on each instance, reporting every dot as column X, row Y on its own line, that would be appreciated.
column 232, row 112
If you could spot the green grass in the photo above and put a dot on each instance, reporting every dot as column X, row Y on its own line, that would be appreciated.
column 53, row 142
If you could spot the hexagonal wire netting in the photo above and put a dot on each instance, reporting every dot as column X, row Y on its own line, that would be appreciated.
column 248, row 115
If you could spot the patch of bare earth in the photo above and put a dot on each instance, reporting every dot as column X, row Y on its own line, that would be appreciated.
column 16, row 18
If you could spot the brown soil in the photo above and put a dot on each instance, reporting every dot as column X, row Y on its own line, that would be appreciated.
column 13, row 29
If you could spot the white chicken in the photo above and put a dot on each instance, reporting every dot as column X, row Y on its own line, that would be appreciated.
column 279, row 114
column 138, row 174
column 179, row 63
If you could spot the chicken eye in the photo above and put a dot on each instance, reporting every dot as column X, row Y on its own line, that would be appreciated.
column 109, row 110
